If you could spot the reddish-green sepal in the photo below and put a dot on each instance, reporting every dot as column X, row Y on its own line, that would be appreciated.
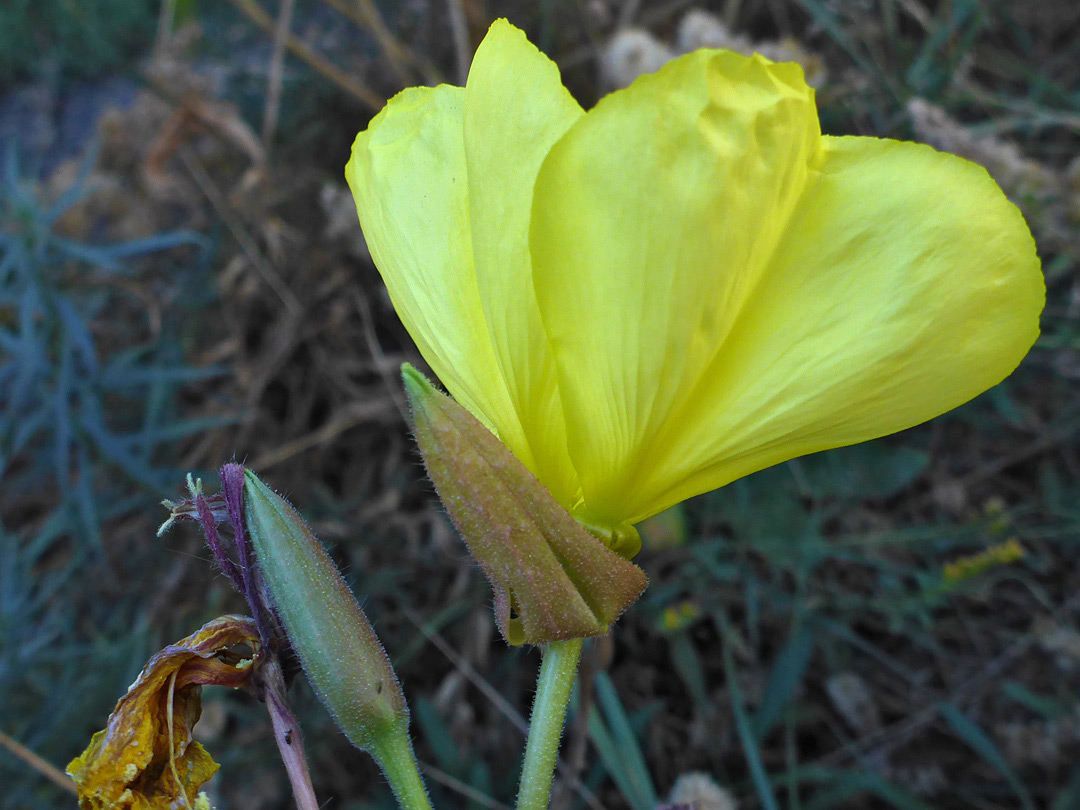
column 552, row 578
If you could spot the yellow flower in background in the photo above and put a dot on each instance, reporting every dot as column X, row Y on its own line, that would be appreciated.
column 688, row 282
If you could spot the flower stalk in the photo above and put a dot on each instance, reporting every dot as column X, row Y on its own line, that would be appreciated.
column 553, row 687
column 287, row 735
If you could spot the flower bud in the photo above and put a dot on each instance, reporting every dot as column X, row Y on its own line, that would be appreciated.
column 552, row 578
column 344, row 661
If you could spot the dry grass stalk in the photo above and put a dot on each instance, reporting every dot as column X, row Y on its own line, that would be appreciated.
column 275, row 71
column 254, row 12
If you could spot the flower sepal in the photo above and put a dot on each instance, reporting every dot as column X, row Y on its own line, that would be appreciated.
column 553, row 578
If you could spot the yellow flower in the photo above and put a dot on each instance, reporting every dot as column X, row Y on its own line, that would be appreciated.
column 688, row 282
column 973, row 565
column 145, row 759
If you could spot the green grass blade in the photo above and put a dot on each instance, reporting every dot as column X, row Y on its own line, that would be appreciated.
column 437, row 735
column 1069, row 797
column 745, row 729
column 617, row 746
column 976, row 738
column 824, row 16
column 843, row 787
column 785, row 677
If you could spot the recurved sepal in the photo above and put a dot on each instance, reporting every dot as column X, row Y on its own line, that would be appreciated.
column 552, row 579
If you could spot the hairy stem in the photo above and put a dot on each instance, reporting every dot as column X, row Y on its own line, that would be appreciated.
column 395, row 756
column 546, row 725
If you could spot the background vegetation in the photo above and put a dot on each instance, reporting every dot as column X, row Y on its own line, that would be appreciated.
column 182, row 281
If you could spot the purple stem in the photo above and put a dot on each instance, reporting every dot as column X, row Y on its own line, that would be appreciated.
column 287, row 735
column 232, row 483
column 209, row 526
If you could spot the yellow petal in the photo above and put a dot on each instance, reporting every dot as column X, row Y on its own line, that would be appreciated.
column 515, row 109
column 443, row 185
column 653, row 220
column 407, row 174
column 905, row 285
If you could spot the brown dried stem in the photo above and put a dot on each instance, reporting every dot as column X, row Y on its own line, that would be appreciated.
column 301, row 50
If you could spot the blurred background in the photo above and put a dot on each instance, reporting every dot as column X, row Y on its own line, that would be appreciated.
column 183, row 282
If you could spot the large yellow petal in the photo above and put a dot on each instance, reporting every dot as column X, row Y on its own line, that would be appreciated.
column 443, row 183
column 905, row 284
column 408, row 177
column 515, row 109
column 653, row 220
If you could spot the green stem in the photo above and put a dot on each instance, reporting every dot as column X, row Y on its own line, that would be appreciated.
column 395, row 756
column 545, row 730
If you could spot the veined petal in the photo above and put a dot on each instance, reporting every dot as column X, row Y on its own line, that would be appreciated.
column 905, row 284
column 408, row 177
column 443, row 184
column 515, row 109
column 654, row 218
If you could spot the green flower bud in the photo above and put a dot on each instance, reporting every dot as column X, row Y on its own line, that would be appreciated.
column 344, row 661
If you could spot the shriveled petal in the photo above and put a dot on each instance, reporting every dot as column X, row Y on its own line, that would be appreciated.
column 515, row 109
column 906, row 284
column 654, row 219
column 145, row 758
